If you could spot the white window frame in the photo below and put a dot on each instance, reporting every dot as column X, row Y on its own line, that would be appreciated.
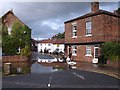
column 9, row 30
column 74, row 50
column 74, row 30
column 88, row 50
column 88, row 28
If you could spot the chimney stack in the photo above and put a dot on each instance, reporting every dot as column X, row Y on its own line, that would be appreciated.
column 116, row 12
column 94, row 6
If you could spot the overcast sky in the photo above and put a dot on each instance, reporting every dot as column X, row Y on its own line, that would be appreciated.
column 47, row 18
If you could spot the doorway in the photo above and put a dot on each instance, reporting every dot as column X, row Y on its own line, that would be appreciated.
column 95, row 59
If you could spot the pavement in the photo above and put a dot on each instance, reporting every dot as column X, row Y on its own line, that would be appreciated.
column 104, row 69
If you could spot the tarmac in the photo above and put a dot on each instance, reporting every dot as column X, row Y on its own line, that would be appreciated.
column 85, row 66
column 98, row 68
column 104, row 69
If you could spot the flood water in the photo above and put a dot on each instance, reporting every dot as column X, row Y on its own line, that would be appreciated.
column 38, row 68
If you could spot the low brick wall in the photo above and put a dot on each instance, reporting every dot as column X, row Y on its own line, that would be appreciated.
column 16, row 61
column 16, row 58
column 115, row 64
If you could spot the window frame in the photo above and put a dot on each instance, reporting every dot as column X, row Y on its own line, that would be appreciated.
column 88, row 28
column 74, row 30
column 74, row 50
column 88, row 50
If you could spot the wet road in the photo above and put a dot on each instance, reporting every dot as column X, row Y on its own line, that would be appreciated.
column 47, row 77
column 37, row 55
column 61, row 79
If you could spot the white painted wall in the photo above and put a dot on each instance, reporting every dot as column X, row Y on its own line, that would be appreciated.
column 50, row 46
column 42, row 46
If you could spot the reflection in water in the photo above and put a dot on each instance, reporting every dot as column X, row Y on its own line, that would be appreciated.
column 37, row 68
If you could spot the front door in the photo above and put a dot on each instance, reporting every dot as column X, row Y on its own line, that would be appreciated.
column 95, row 60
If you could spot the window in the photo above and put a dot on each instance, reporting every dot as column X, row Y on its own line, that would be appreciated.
column 88, row 51
column 74, row 29
column 88, row 28
column 49, row 44
column 74, row 50
column 9, row 30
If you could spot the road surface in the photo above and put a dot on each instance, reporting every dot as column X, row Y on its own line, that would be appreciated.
column 45, row 77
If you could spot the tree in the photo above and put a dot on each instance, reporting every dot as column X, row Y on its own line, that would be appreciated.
column 118, row 11
column 59, row 36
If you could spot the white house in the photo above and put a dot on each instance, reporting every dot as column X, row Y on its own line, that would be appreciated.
column 51, row 45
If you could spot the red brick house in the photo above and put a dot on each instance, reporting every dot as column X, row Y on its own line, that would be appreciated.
column 85, row 34
column 9, row 19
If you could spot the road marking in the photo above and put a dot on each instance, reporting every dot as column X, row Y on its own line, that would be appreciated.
column 80, row 76
column 49, row 84
column 17, row 83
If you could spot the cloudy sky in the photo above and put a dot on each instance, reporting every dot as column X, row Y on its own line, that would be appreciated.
column 47, row 18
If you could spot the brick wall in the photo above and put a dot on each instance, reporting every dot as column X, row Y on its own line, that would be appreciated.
column 81, row 54
column 110, row 28
column 16, row 58
column 113, row 64
column 17, row 61
column 104, row 28
column 10, row 18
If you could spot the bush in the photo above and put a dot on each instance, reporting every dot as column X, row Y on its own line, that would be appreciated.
column 111, row 50
column 102, row 59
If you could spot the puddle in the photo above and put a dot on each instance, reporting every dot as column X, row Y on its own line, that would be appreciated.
column 38, row 68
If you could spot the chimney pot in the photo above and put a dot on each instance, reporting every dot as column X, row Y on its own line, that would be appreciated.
column 94, row 6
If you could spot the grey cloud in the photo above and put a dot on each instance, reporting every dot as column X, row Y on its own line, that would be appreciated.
column 35, row 13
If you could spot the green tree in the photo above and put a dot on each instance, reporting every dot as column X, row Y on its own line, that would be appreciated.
column 59, row 36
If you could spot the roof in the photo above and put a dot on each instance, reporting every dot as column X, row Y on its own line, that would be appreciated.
column 33, row 40
column 11, row 11
column 59, row 41
column 54, row 41
column 46, row 41
column 94, row 14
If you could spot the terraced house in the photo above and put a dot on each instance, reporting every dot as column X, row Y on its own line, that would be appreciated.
column 85, row 34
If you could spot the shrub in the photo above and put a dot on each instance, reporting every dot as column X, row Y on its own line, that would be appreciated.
column 111, row 50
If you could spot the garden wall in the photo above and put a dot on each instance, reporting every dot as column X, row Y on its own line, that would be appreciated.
column 115, row 64
column 16, row 62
